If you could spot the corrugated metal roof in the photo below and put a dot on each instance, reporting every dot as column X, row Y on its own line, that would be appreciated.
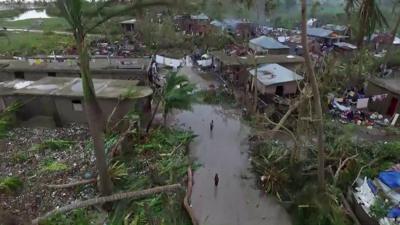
column 270, row 74
column 318, row 32
column 268, row 43
column 201, row 16
column 131, row 21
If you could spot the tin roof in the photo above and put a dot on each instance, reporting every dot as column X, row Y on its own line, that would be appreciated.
column 271, row 74
column 268, row 43
column 233, row 60
column 72, row 87
column 391, row 84
column 319, row 32
column 131, row 21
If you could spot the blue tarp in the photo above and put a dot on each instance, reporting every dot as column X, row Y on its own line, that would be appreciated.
column 390, row 178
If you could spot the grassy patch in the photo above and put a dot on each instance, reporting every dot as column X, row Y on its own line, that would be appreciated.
column 10, row 185
column 51, row 24
column 53, row 166
column 77, row 216
column 20, row 157
column 9, row 13
column 26, row 43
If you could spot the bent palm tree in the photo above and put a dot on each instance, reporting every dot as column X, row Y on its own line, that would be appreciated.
column 82, row 21
column 370, row 17
column 177, row 94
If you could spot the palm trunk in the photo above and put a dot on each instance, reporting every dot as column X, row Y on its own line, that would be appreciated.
column 95, row 118
column 152, row 116
column 316, row 98
column 393, row 33
column 101, row 200
column 255, row 93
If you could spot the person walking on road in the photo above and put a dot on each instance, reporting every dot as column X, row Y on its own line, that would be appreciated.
column 212, row 125
column 216, row 179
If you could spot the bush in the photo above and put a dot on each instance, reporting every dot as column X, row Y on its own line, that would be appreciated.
column 10, row 185
column 53, row 166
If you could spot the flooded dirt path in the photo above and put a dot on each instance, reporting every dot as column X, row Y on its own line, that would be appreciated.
column 236, row 200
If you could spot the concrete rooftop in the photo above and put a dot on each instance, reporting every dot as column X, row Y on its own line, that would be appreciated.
column 72, row 87
column 71, row 65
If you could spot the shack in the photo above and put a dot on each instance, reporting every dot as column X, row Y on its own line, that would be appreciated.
column 193, row 24
column 388, row 90
column 267, row 45
column 273, row 79
column 36, row 69
column 61, row 99
column 325, row 36
column 128, row 26
column 234, row 68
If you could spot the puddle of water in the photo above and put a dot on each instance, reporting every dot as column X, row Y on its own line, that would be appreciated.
column 31, row 14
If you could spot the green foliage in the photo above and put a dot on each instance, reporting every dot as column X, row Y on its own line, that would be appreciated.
column 55, row 144
column 177, row 93
column 9, row 13
column 20, row 157
column 118, row 171
column 7, row 118
column 76, row 217
column 380, row 208
column 218, row 97
column 27, row 43
column 53, row 166
column 10, row 185
column 161, row 159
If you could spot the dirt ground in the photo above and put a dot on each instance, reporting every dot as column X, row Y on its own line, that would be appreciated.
column 20, row 158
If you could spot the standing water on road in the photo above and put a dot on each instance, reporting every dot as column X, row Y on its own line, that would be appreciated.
column 224, row 150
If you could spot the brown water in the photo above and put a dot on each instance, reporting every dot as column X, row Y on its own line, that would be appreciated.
column 236, row 200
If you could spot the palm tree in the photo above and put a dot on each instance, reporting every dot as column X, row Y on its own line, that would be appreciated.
column 82, row 22
column 177, row 93
column 370, row 17
column 316, row 97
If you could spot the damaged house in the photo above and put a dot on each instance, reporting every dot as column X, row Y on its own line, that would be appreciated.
column 235, row 68
column 387, row 95
column 273, row 79
column 61, row 99
column 267, row 45
column 193, row 24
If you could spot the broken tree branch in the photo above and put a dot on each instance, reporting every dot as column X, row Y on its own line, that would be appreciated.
column 69, row 185
column 341, row 165
column 101, row 200
column 187, row 197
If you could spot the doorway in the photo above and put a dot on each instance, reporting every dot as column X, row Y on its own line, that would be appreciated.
column 393, row 106
column 279, row 90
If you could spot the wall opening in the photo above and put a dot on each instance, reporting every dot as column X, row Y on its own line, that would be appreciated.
column 77, row 105
column 51, row 74
column 19, row 75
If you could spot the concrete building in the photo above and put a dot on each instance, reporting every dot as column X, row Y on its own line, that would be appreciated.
column 35, row 69
column 379, row 86
column 268, row 45
column 61, row 98
column 273, row 79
